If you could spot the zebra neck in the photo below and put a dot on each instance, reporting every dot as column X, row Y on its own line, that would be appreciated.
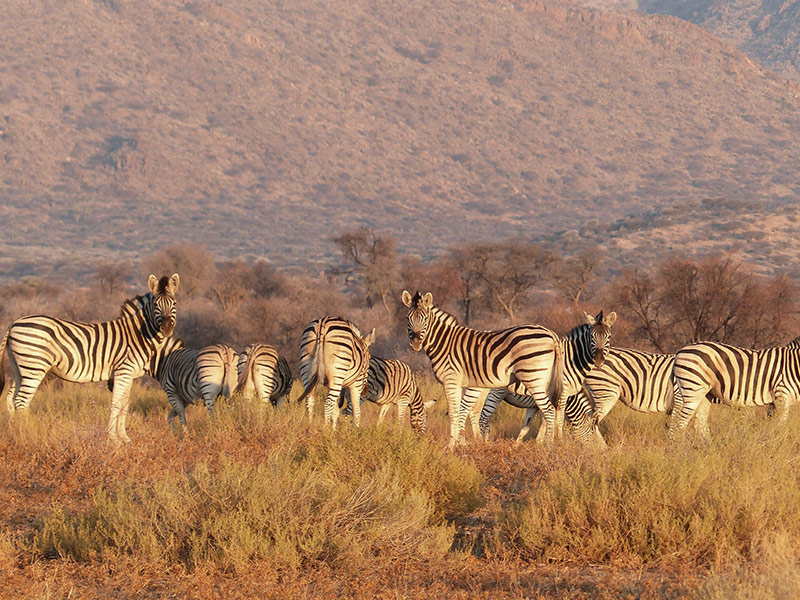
column 442, row 327
column 576, row 354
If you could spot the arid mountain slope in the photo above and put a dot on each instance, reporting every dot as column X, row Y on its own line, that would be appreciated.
column 768, row 31
column 267, row 128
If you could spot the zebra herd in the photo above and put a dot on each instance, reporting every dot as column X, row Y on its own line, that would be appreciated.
column 578, row 377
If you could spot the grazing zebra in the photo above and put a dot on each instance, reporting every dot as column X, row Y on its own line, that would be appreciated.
column 187, row 375
column 83, row 352
column 392, row 382
column 332, row 352
column 584, row 348
column 715, row 372
column 466, row 359
column 263, row 372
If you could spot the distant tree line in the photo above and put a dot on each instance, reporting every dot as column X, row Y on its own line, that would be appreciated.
column 484, row 284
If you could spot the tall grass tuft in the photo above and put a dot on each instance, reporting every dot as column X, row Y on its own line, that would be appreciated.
column 338, row 496
column 705, row 504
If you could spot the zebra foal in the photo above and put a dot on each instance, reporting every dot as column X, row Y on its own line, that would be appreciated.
column 716, row 372
column 467, row 360
column 81, row 352
column 264, row 373
column 332, row 352
column 392, row 382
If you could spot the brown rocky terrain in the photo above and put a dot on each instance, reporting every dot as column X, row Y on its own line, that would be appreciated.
column 265, row 129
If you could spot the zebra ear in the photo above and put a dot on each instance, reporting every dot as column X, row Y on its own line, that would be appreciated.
column 370, row 338
column 427, row 300
column 173, row 284
column 406, row 298
column 589, row 318
column 152, row 283
column 610, row 319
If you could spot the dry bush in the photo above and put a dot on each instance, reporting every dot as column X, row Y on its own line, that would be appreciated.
column 341, row 496
column 643, row 503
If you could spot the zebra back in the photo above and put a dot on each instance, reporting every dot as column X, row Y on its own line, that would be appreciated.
column 188, row 375
column 332, row 346
column 392, row 382
column 263, row 370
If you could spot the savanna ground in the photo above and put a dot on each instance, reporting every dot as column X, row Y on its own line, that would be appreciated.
column 257, row 504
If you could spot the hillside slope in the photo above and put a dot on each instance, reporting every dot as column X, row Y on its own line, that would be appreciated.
column 266, row 128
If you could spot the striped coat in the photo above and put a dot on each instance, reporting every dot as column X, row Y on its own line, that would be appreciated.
column 83, row 352
column 189, row 375
column 392, row 382
column 332, row 352
column 264, row 373
column 465, row 360
column 584, row 348
column 716, row 372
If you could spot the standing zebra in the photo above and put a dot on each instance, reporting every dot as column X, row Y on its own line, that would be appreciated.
column 466, row 359
column 392, row 382
column 333, row 352
column 263, row 372
column 187, row 375
column 711, row 371
column 83, row 352
column 584, row 348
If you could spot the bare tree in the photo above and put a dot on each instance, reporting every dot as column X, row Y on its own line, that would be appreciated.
column 111, row 277
column 504, row 272
column 231, row 284
column 573, row 275
column 372, row 260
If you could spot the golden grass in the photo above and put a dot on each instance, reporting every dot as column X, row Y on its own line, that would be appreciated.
column 258, row 486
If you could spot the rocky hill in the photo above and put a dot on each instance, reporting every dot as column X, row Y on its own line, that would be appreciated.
column 264, row 129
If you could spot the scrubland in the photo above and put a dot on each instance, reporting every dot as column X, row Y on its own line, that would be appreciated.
column 257, row 503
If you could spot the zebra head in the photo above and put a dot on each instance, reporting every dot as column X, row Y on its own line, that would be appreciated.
column 164, row 306
column 600, row 335
column 419, row 317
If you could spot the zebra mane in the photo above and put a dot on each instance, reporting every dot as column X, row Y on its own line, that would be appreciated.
column 578, row 331
column 794, row 344
column 444, row 316
column 135, row 305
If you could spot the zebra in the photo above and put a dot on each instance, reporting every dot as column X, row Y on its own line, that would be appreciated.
column 465, row 360
column 714, row 372
column 263, row 372
column 83, row 352
column 332, row 352
column 584, row 348
column 187, row 375
column 392, row 382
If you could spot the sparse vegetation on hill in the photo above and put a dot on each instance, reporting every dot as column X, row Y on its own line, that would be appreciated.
column 265, row 129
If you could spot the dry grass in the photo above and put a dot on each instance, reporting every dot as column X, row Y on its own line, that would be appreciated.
column 258, row 496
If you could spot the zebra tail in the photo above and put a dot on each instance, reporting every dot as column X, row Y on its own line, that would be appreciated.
column 317, row 366
column 2, row 360
column 247, row 373
column 556, row 385
column 228, row 375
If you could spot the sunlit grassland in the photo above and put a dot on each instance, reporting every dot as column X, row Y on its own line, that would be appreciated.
column 256, row 484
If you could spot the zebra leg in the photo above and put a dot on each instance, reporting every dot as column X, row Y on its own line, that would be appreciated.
column 120, row 400
column 452, row 392
column 474, row 417
column 402, row 407
column 23, row 385
column 493, row 398
column 356, row 390
column 701, row 420
column 685, row 404
column 782, row 400
column 332, row 403
column 470, row 395
column 526, row 425
column 382, row 414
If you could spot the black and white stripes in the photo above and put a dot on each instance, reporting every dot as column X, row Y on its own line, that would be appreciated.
column 332, row 352
column 466, row 359
column 83, row 352
column 711, row 371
